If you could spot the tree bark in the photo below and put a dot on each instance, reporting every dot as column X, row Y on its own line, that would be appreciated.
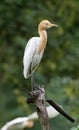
column 38, row 95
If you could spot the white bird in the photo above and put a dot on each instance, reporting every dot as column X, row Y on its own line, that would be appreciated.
column 27, row 122
column 35, row 48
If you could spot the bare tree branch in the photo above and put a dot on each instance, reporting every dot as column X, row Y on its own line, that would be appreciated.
column 60, row 110
column 27, row 122
column 39, row 96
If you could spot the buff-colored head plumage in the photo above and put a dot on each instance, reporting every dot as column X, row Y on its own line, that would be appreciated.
column 45, row 24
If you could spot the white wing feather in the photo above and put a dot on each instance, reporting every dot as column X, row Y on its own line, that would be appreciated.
column 17, row 123
column 50, row 110
column 29, row 52
column 22, row 122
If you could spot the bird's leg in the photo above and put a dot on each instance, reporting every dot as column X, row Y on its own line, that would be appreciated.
column 32, row 81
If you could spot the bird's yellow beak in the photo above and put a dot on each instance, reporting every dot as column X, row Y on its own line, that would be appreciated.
column 54, row 25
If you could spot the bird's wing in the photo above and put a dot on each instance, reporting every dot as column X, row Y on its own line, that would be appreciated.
column 15, row 124
column 29, row 52
column 50, row 110
column 27, row 122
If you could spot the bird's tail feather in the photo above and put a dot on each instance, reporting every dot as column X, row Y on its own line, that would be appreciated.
column 26, row 74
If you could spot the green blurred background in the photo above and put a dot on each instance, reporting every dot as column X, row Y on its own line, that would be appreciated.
column 59, row 68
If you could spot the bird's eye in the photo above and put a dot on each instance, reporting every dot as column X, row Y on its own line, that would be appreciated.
column 46, row 23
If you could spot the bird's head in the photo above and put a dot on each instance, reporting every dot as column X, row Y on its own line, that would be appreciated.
column 45, row 24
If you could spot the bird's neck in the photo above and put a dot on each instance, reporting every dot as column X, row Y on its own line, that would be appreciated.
column 43, row 37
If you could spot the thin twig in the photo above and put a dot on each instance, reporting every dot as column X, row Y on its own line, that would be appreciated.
column 60, row 110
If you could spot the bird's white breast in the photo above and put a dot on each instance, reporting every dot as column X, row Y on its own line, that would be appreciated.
column 31, row 57
column 37, row 56
column 36, row 60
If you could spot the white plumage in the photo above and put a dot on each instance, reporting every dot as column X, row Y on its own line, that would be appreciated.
column 35, row 48
column 27, row 122
column 31, row 57
column 50, row 110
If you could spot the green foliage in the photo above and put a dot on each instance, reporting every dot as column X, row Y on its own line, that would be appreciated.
column 59, row 69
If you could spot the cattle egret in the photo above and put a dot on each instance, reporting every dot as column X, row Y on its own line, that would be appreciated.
column 27, row 122
column 34, row 49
